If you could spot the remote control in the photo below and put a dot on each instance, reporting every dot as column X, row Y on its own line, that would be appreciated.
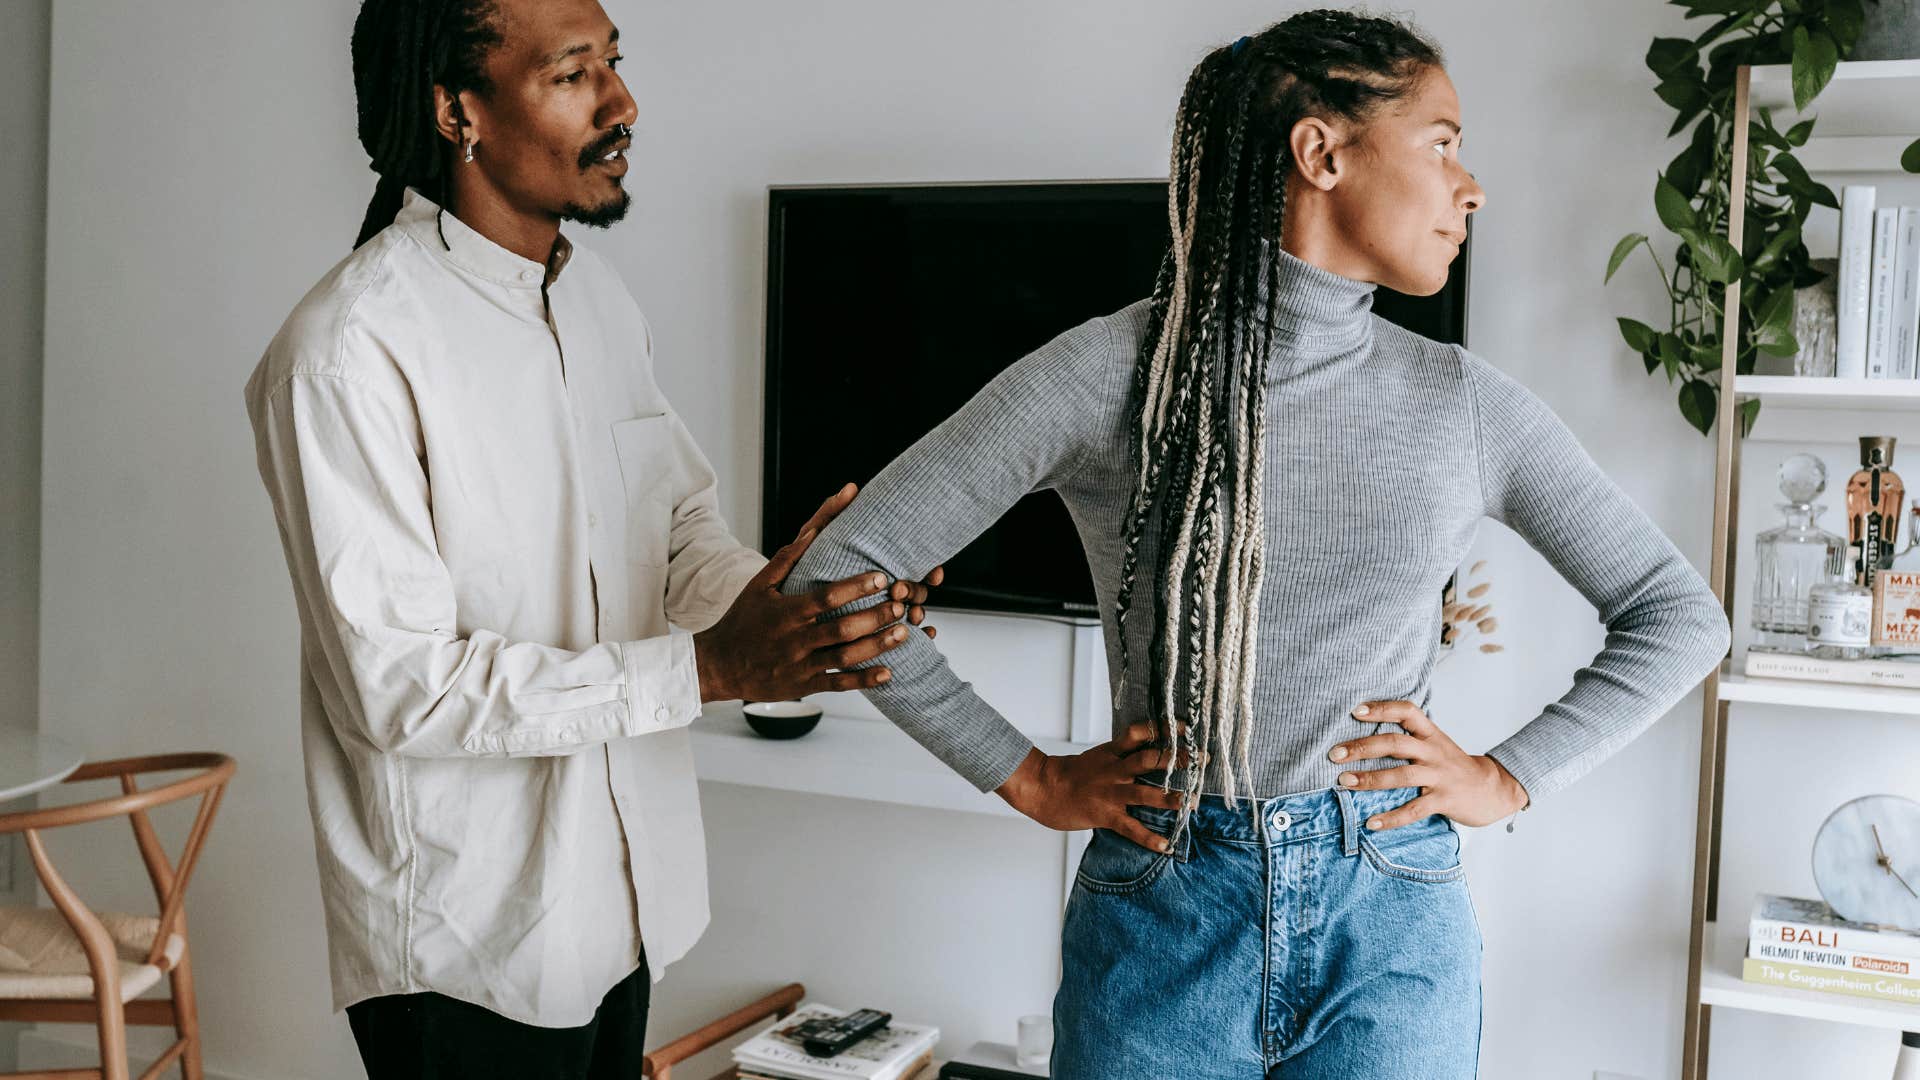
column 829, row 1037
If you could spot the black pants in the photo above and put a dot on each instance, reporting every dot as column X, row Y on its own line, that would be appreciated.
column 435, row 1037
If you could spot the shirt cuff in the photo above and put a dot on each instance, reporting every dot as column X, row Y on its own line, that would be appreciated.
column 663, row 682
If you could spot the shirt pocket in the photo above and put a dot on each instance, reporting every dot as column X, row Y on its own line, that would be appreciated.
column 644, row 446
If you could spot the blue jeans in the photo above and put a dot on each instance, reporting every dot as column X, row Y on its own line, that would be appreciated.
column 1291, row 945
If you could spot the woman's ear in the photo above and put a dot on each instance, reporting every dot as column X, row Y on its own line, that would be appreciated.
column 1315, row 146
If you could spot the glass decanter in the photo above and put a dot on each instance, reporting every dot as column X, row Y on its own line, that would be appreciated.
column 1793, row 557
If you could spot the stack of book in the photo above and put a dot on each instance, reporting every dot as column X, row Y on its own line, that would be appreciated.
column 895, row 1052
column 1877, row 297
column 1804, row 945
column 1899, row 669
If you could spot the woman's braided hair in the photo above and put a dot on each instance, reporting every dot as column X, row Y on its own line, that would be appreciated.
column 1198, row 406
column 402, row 49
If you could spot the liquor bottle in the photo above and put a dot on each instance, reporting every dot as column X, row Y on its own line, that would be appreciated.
column 1840, row 618
column 1793, row 557
column 1874, row 496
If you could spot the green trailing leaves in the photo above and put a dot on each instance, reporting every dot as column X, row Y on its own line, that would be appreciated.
column 1620, row 252
column 1639, row 336
column 1773, row 324
column 1693, row 197
column 1669, row 56
column 1713, row 256
column 1814, row 57
column 1699, row 401
column 1675, row 211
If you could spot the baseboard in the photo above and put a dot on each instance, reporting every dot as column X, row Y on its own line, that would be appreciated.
column 42, row 1048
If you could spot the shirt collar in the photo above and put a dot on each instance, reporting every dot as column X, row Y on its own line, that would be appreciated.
column 458, row 243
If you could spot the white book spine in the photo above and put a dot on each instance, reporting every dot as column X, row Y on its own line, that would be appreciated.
column 1906, row 303
column 1886, row 233
column 1854, row 285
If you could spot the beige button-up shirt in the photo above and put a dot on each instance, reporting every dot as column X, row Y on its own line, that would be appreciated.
column 491, row 516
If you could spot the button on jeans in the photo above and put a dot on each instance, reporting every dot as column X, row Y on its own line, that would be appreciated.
column 1281, row 940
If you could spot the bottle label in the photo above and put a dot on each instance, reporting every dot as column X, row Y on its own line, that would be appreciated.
column 1846, row 619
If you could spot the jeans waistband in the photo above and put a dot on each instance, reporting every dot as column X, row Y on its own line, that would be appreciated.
column 1285, row 819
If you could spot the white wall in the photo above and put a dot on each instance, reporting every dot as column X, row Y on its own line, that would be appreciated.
column 23, row 231
column 204, row 173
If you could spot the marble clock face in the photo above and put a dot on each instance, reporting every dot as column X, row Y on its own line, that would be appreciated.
column 1866, row 860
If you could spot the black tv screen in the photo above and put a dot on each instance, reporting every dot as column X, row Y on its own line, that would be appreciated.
column 921, row 294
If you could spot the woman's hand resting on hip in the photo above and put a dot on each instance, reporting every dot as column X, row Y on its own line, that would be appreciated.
column 1472, row 789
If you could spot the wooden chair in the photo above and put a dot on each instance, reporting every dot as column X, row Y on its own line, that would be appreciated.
column 69, row 964
column 777, row 1005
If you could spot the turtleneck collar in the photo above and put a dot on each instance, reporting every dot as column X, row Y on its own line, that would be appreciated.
column 1321, row 314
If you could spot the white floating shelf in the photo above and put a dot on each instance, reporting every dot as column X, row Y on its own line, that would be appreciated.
column 1866, row 97
column 1721, row 985
column 1802, row 392
column 1817, row 695
column 845, row 757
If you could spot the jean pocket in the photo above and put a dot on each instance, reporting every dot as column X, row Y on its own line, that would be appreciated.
column 1115, row 865
column 1426, row 852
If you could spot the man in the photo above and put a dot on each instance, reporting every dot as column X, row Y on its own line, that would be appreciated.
column 494, row 522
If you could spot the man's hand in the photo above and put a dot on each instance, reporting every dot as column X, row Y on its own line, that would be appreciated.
column 769, row 647
column 914, row 593
column 1472, row 789
column 1093, row 789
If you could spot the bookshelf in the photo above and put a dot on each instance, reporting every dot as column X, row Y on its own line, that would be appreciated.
column 1867, row 114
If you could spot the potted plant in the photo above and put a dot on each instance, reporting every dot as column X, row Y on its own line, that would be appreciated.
column 1692, row 198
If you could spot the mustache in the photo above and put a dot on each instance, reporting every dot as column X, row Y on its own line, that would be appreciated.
column 599, row 148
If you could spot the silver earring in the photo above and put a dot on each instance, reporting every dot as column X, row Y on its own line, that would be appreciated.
column 469, row 154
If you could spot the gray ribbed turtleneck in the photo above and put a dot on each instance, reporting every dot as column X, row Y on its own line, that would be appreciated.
column 1384, row 450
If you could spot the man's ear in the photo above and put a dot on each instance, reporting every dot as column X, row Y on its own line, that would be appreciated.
column 1317, row 149
column 452, row 119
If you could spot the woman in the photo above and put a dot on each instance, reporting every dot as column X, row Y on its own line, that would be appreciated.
column 1272, row 486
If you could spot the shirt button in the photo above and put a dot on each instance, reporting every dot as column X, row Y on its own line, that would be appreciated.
column 593, row 521
column 1281, row 820
column 662, row 714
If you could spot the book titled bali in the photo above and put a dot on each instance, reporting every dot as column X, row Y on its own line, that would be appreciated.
column 1811, row 924
column 894, row 1051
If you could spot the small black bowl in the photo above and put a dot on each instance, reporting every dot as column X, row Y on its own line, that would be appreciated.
column 782, row 719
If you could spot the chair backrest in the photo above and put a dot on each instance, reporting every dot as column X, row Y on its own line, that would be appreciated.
column 780, row 1003
column 209, row 780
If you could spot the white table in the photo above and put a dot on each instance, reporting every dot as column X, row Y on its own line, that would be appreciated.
column 30, row 762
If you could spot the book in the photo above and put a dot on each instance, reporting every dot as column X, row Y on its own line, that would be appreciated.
column 1900, row 670
column 1886, row 235
column 889, row 1054
column 1831, row 981
column 920, row 1068
column 1905, row 361
column 1791, row 921
column 1853, row 283
column 1906, row 967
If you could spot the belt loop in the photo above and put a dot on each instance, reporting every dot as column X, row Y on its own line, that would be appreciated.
column 1349, row 822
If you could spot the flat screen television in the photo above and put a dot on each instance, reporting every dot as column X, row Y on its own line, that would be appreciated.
column 889, row 307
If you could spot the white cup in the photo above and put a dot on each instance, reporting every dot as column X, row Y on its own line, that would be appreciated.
column 1034, row 1047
